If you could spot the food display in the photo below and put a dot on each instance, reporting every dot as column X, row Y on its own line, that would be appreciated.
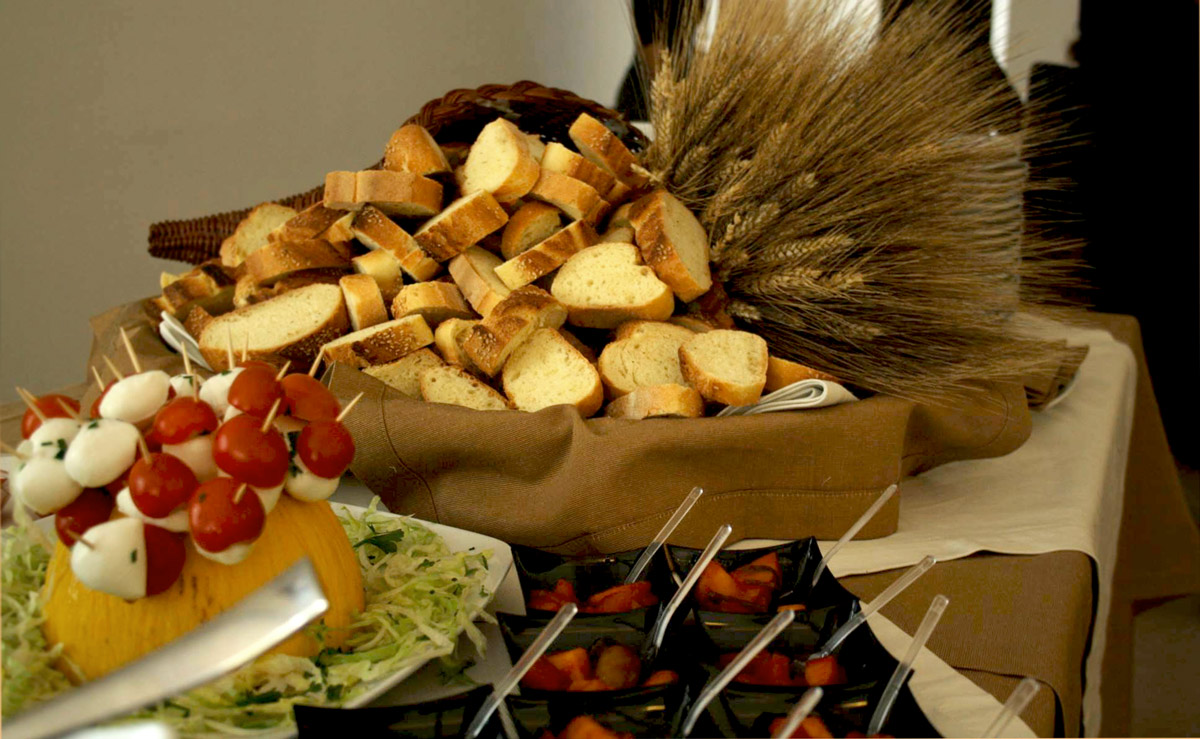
column 605, row 666
column 617, row 599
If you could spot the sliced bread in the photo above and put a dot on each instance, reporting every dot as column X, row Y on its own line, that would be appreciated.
column 436, row 301
column 376, row 231
column 340, row 189
column 726, row 366
column 530, row 225
column 449, row 337
column 782, row 372
column 197, row 318
column 294, row 325
column 405, row 373
column 547, row 256
column 500, row 163
column 605, row 285
column 364, row 301
column 248, row 292
column 311, row 223
column 251, row 234
column 398, row 193
column 379, row 344
column 510, row 323
column 412, row 149
column 383, row 267
column 275, row 261
column 645, row 354
column 340, row 230
column 463, row 223
column 601, row 147
column 577, row 199
column 447, row 384
column 537, row 147
column 617, row 235
column 208, row 285
column 658, row 401
column 474, row 271
column 673, row 243
column 558, row 158
column 546, row 370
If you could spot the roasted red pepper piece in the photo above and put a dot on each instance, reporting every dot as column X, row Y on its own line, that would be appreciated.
column 718, row 591
column 618, row 666
column 543, row 675
column 824, row 671
column 573, row 662
column 763, row 571
column 621, row 599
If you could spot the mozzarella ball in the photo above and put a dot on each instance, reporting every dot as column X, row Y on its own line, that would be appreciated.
column 53, row 436
column 101, row 452
column 228, row 556
column 230, row 412
column 44, row 485
column 111, row 558
column 136, row 398
column 302, row 484
column 215, row 390
column 268, row 496
column 196, row 453
column 186, row 385
column 176, row 520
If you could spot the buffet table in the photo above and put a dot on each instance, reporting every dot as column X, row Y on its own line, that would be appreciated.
column 1044, row 611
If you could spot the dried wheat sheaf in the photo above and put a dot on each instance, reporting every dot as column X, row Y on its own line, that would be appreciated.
column 864, row 212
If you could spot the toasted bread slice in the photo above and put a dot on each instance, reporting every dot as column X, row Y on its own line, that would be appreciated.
column 558, row 158
column 546, row 370
column 248, row 292
column 275, row 261
column 339, row 232
column 364, row 301
column 197, row 318
column 645, row 354
column 658, row 401
column 379, row 344
column 412, row 149
column 782, row 372
column 376, row 231
column 405, row 373
column 673, row 243
column 547, row 256
column 340, row 189
column 436, row 301
column 602, row 148
column 474, row 271
column 208, row 285
column 311, row 223
column 383, row 267
column 500, row 163
column 605, row 285
column 726, row 366
column 251, row 233
column 530, row 225
column 510, row 323
column 462, row 224
column 447, row 384
column 449, row 337
column 293, row 325
column 578, row 200
column 398, row 193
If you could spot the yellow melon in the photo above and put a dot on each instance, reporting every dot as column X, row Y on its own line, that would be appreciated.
column 101, row 632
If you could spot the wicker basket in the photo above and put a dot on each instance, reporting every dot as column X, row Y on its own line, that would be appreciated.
column 456, row 117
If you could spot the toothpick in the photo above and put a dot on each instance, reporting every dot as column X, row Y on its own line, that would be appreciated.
column 246, row 346
column 312, row 371
column 15, row 452
column 187, row 362
column 283, row 370
column 349, row 405
column 80, row 540
column 143, row 447
column 133, row 358
column 99, row 380
column 237, row 497
column 68, row 409
column 113, row 368
column 31, row 402
column 229, row 346
column 271, row 416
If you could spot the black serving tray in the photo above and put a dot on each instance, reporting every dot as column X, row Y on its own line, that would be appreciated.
column 538, row 570
column 656, row 711
column 447, row 718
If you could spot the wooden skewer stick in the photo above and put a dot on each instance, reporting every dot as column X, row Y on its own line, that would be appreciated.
column 143, row 447
column 237, row 497
column 246, row 346
column 133, row 358
column 312, row 371
column 15, row 452
column 68, row 409
column 283, row 370
column 271, row 416
column 113, row 368
column 229, row 346
column 99, row 380
column 79, row 539
column 31, row 402
column 187, row 363
column 349, row 405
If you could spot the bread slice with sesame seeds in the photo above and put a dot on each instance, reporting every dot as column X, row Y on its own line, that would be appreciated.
column 398, row 193
column 726, row 366
column 405, row 373
column 474, row 271
column 546, row 370
column 602, row 147
column 449, row 338
column 448, row 384
column 547, row 256
column 412, row 149
column 673, row 243
column 278, row 260
column 462, row 224
column 510, row 323
column 530, row 225
column 376, row 231
column 380, row 344
column 436, row 301
column 558, row 158
column 383, row 267
column 577, row 199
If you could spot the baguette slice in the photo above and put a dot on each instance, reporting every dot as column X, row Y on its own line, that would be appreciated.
column 294, row 326
column 435, row 301
column 376, row 231
column 398, row 193
column 412, row 149
column 364, row 301
column 252, row 233
column 658, row 401
column 601, row 147
column 617, row 235
column 340, row 189
column 537, row 147
column 620, row 217
column 449, row 337
column 588, row 353
column 197, row 319
column 510, row 323
column 379, row 344
column 619, row 193
column 605, row 285
column 645, row 354
column 310, row 223
column 462, row 224
column 447, row 384
column 207, row 285
column 500, row 163
column 546, row 370
column 530, row 225
column 558, row 158
column 547, row 256
column 248, row 292
column 726, row 366
column 578, row 200
column 474, row 271
column 782, row 372
column 383, row 267
column 339, row 231
column 405, row 373
column 673, row 243
column 275, row 261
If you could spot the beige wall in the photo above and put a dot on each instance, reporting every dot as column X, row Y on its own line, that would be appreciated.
column 119, row 114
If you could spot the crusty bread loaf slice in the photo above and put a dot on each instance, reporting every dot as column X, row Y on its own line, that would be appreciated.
column 474, row 271
column 673, row 243
column 275, row 261
column 500, row 163
column 364, row 301
column 463, row 223
column 510, row 323
column 537, row 147
column 546, row 370
column 598, row 212
column 601, row 147
column 558, row 158
column 405, row 373
column 340, row 231
column 251, row 234
column 578, row 200
column 293, row 325
column 619, row 193
column 383, row 267
column 311, row 223
column 248, row 292
column 617, row 235
column 695, row 323
column 645, row 354
column 436, row 301
column 452, row 385
column 658, row 401
column 340, row 189
column 375, row 230
column 607, row 284
column 398, row 193
column 588, row 353
column 449, row 337
column 783, row 372
column 379, row 344
column 208, row 285
column 547, row 256
column 197, row 318
column 726, row 366
column 412, row 149
column 620, row 217
column 530, row 225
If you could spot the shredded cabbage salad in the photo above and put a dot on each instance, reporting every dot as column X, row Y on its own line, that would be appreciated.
column 420, row 597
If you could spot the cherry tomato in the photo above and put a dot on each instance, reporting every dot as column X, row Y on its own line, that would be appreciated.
column 160, row 483
column 95, row 411
column 326, row 448
column 91, row 508
column 242, row 450
column 254, row 391
column 48, row 405
column 307, row 399
column 183, row 418
column 217, row 522
column 165, row 555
